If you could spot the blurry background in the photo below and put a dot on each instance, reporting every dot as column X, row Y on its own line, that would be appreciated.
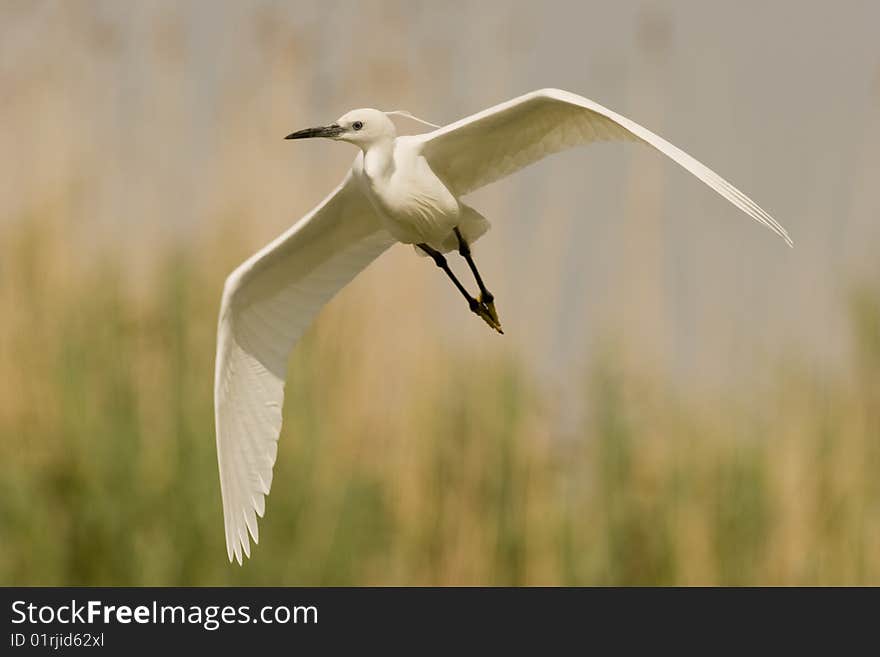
column 678, row 399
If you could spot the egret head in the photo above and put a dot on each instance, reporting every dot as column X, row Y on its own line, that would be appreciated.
column 361, row 127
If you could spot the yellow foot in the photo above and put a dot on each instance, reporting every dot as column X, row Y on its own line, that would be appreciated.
column 488, row 315
column 488, row 302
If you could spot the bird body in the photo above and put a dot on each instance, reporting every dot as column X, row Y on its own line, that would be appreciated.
column 400, row 189
column 411, row 201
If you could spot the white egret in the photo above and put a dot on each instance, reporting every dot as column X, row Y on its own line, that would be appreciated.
column 399, row 189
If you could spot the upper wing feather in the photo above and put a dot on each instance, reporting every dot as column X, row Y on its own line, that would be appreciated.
column 496, row 142
column 268, row 302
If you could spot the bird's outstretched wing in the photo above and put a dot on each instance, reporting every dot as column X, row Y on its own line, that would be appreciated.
column 496, row 142
column 268, row 302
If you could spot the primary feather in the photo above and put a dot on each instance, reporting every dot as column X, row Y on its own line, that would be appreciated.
column 498, row 141
column 267, row 304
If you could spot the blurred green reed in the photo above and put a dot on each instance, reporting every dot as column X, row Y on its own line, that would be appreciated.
column 460, row 475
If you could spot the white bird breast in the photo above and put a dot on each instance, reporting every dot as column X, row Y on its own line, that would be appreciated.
column 412, row 202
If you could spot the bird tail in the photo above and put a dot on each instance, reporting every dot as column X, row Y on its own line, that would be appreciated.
column 472, row 225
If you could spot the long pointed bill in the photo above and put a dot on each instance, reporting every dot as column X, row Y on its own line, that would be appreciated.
column 328, row 131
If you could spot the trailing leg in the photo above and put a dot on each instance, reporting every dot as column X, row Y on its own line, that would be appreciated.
column 487, row 299
column 476, row 307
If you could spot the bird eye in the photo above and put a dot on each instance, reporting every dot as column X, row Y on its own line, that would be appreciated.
column 357, row 125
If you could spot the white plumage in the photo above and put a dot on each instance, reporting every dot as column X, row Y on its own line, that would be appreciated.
column 405, row 189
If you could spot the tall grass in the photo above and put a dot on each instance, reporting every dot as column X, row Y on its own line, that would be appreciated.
column 402, row 461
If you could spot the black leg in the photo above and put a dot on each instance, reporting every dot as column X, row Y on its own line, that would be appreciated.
column 475, row 306
column 486, row 297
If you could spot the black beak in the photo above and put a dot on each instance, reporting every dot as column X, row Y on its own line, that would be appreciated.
column 322, row 131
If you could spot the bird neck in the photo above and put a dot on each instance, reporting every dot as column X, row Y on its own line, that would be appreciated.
column 379, row 158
